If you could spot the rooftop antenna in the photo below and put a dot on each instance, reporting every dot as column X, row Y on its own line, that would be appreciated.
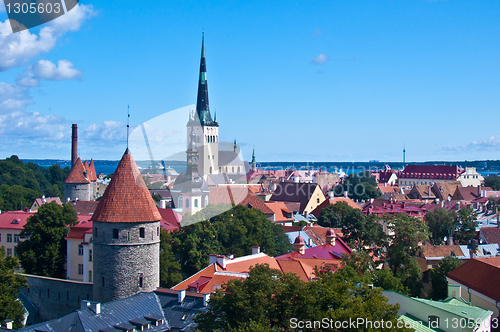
column 128, row 119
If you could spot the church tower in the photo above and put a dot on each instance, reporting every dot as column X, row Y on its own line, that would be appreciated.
column 206, row 130
column 126, row 236
column 254, row 164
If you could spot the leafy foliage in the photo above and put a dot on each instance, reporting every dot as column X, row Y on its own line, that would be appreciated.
column 269, row 300
column 10, row 283
column 358, row 229
column 493, row 182
column 438, row 276
column 44, row 250
column 360, row 186
column 408, row 233
column 466, row 220
column 34, row 180
column 441, row 224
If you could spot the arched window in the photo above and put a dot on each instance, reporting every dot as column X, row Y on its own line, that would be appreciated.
column 196, row 203
column 187, row 203
column 206, row 200
column 210, row 169
column 232, row 171
column 180, row 202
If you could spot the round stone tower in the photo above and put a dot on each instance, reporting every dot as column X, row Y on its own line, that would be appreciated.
column 126, row 236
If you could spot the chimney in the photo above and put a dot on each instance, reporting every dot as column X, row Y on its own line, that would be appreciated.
column 346, row 194
column 299, row 245
column 330, row 237
column 330, row 194
column 181, row 294
column 255, row 250
column 74, row 144
column 221, row 260
column 163, row 204
column 212, row 259
column 92, row 305
column 206, row 298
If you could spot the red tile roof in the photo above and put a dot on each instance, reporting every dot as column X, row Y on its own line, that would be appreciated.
column 294, row 192
column 325, row 251
column 40, row 202
column 237, row 195
column 169, row 219
column 14, row 219
column 78, row 231
column 91, row 171
column 84, row 207
column 491, row 234
column 126, row 198
column 279, row 209
column 480, row 274
column 328, row 202
column 431, row 251
column 78, row 173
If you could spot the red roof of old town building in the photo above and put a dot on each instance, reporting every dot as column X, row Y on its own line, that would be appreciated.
column 14, row 219
column 444, row 172
column 78, row 173
column 126, row 198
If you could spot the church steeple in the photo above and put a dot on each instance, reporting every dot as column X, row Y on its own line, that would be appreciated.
column 202, row 108
column 254, row 165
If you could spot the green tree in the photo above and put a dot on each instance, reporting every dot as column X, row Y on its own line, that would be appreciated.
column 362, row 187
column 170, row 267
column 493, row 182
column 44, row 250
column 409, row 232
column 269, row 300
column 10, row 283
column 358, row 229
column 438, row 277
column 441, row 223
column 16, row 197
column 466, row 219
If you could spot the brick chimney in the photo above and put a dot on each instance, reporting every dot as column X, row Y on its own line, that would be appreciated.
column 300, row 245
column 74, row 144
column 330, row 236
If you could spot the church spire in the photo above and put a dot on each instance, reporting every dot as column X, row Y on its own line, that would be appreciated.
column 202, row 107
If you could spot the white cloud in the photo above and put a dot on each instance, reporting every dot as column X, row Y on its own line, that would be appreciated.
column 46, row 70
column 13, row 97
column 108, row 131
column 320, row 59
column 33, row 125
column 18, row 48
column 492, row 143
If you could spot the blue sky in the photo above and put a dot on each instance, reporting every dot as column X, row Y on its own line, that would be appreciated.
column 297, row 80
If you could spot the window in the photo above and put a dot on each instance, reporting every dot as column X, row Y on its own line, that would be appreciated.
column 102, row 281
column 180, row 202
column 232, row 169
column 9, row 237
column 206, row 200
column 140, row 281
column 210, row 169
column 115, row 233
column 90, row 255
column 187, row 203
column 238, row 169
column 142, row 232
column 80, row 250
column 16, row 238
column 90, row 276
column 195, row 203
column 9, row 252
column 157, row 231
column 80, row 269
column 95, row 231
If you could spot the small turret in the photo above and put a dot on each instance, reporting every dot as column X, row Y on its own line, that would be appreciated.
column 300, row 245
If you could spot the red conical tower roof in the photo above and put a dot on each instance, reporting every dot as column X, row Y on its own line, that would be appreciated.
column 78, row 173
column 126, row 198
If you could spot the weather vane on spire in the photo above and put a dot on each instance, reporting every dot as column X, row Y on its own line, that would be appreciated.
column 128, row 119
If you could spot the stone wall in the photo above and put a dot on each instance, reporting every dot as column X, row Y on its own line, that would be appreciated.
column 82, row 191
column 56, row 297
column 121, row 264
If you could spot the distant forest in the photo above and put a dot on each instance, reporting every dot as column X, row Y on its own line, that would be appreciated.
column 21, row 183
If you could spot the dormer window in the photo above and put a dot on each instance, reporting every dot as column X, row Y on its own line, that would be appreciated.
column 15, row 221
